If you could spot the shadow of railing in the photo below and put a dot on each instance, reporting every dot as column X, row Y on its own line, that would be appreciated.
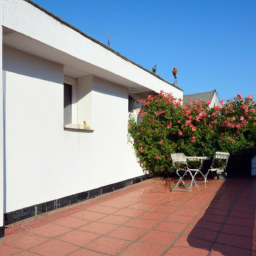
column 226, row 224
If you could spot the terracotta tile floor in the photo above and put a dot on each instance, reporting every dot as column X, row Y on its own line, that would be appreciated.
column 146, row 220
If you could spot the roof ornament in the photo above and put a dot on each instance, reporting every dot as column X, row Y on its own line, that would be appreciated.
column 154, row 69
column 174, row 72
column 108, row 39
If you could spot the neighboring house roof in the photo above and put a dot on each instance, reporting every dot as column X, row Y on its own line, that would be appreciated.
column 203, row 96
column 97, row 42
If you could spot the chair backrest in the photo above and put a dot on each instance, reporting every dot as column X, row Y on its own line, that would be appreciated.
column 178, row 157
column 220, row 155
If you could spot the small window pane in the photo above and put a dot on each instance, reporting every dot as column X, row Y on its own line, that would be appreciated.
column 67, row 104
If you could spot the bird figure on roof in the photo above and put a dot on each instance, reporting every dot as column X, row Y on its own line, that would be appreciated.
column 174, row 72
column 154, row 69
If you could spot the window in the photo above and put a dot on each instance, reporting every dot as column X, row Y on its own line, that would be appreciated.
column 67, row 104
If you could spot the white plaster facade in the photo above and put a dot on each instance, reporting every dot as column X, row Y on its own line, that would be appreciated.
column 44, row 161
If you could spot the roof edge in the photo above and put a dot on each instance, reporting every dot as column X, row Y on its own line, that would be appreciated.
column 98, row 42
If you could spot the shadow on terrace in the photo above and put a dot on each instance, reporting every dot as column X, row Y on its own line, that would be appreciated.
column 226, row 225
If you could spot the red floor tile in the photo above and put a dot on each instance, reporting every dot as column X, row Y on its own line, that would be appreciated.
column 186, row 241
column 225, row 250
column 127, row 233
column 99, row 228
column 164, row 208
column 241, row 222
column 175, row 203
column 54, row 248
column 85, row 252
column 113, row 219
column 179, row 218
column 154, row 215
column 71, row 222
column 171, row 227
column 214, row 218
column 102, row 209
column 217, row 211
column 159, row 237
column 86, row 215
column 78, row 237
column 7, row 250
column 141, row 223
column 141, row 206
column 237, row 230
column 24, row 240
column 129, row 212
column 188, row 212
column 199, row 223
column 26, row 253
column 117, row 204
column 201, row 233
column 108, row 245
column 179, row 251
column 51, row 230
column 242, row 214
column 234, row 240
column 144, row 249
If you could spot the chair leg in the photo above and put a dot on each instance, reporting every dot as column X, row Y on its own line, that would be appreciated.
column 178, row 183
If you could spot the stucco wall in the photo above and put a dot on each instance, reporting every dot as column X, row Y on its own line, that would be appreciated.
column 45, row 32
column 46, row 162
column 1, row 137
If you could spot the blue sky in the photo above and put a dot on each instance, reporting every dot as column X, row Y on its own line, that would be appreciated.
column 212, row 43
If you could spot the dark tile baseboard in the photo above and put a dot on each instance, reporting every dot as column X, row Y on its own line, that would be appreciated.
column 1, row 232
column 12, row 217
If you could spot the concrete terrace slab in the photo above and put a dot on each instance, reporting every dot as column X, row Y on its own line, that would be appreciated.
column 146, row 219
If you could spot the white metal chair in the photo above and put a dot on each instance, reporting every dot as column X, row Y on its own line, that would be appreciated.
column 181, row 158
column 215, row 167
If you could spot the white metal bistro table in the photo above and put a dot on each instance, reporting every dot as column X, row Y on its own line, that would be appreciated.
column 198, row 158
column 180, row 157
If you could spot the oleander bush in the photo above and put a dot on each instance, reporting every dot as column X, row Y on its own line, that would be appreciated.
column 194, row 129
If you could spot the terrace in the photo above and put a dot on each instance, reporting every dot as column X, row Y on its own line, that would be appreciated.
column 145, row 219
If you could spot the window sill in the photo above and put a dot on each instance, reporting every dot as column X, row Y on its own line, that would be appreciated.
column 77, row 129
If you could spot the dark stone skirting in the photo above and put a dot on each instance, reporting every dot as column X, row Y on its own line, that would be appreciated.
column 35, row 210
column 1, row 232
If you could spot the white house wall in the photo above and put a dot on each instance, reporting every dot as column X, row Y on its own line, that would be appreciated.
column 2, row 185
column 98, row 60
column 46, row 162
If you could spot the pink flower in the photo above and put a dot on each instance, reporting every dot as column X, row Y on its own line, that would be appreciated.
column 157, row 157
column 190, row 117
column 222, row 102
column 178, row 121
column 226, row 111
column 193, row 141
column 160, row 142
column 208, row 103
column 239, row 95
column 141, row 148
column 180, row 133
column 222, row 133
column 169, row 125
column 242, row 118
column 188, row 122
column 129, row 126
column 193, row 137
column 193, row 128
column 163, row 157
column 250, row 117
column 249, row 96
column 213, row 114
column 233, row 118
column 217, row 107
